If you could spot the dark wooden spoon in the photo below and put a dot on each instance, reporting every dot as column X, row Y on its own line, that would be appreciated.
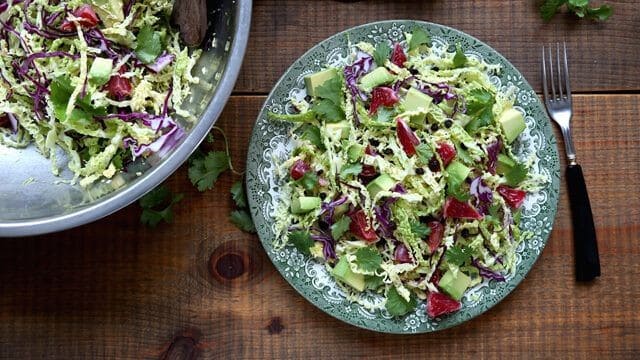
column 191, row 18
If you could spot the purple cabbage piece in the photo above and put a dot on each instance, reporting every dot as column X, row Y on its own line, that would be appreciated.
column 26, row 64
column 492, row 155
column 439, row 92
column 171, row 135
column 329, row 208
column 487, row 273
column 5, row 5
column 352, row 72
column 482, row 193
column 106, row 45
column 399, row 189
column 127, row 7
column 161, row 62
column 401, row 83
column 328, row 248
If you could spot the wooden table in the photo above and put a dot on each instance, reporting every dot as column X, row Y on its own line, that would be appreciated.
column 201, row 288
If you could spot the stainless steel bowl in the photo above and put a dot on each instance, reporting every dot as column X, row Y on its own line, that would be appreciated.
column 34, row 201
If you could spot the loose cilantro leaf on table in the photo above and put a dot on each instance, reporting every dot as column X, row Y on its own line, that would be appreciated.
column 238, row 195
column 242, row 220
column 580, row 8
column 419, row 37
column 302, row 241
column 368, row 259
column 457, row 255
column 204, row 170
column 157, row 206
column 381, row 53
column 340, row 227
column 396, row 305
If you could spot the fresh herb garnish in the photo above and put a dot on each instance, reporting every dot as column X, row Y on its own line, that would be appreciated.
column 238, row 195
column 302, row 241
column 396, row 305
column 480, row 108
column 330, row 105
column 425, row 153
column 381, row 53
column 459, row 59
column 580, row 8
column 242, row 220
column 368, row 259
column 157, row 206
column 350, row 169
column 516, row 174
column 457, row 255
column 419, row 37
column 148, row 45
column 204, row 170
column 309, row 180
column 420, row 230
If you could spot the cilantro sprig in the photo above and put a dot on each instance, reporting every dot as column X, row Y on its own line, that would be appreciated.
column 419, row 37
column 330, row 102
column 381, row 53
column 157, row 206
column 580, row 8
column 457, row 255
column 396, row 305
column 368, row 259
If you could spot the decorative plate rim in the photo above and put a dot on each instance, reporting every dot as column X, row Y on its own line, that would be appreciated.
column 521, row 271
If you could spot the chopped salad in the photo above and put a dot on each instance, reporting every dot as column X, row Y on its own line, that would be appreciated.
column 403, row 178
column 101, row 79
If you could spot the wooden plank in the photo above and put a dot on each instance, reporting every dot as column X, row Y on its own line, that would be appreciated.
column 604, row 56
column 115, row 289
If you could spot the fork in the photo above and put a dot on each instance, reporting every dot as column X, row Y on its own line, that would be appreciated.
column 558, row 104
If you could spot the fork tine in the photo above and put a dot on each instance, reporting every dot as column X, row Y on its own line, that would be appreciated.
column 567, row 81
column 545, row 90
column 559, row 71
column 552, row 77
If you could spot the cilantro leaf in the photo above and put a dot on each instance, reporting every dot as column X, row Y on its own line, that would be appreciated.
column 463, row 155
column 368, row 259
column 419, row 37
column 350, row 169
column 459, row 59
column 148, row 45
column 601, row 13
column 238, row 195
column 331, row 90
column 302, row 241
column 242, row 220
column 424, row 153
column 384, row 114
column 419, row 229
column 480, row 108
column 309, row 180
column 396, row 305
column 457, row 255
column 204, row 171
column 311, row 133
column 82, row 115
column 340, row 227
column 381, row 53
column 516, row 174
column 157, row 206
column 549, row 8
column 456, row 191
column 373, row 282
column 329, row 111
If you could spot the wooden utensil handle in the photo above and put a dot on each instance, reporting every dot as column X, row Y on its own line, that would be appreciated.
column 584, row 232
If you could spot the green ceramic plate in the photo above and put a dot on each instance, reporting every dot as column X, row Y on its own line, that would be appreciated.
column 270, row 144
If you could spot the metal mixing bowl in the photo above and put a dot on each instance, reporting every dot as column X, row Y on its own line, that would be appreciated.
column 34, row 201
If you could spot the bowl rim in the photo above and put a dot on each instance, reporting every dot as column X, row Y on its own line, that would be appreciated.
column 156, row 175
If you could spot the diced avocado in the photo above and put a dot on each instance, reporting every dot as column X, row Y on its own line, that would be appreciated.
column 383, row 182
column 377, row 77
column 457, row 172
column 304, row 204
column 504, row 164
column 447, row 106
column 415, row 100
column 110, row 11
column 339, row 130
column 100, row 71
column 512, row 123
column 355, row 152
column 313, row 81
column 454, row 285
column 343, row 272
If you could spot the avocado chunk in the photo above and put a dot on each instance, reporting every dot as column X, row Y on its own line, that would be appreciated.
column 355, row 152
column 304, row 204
column 100, row 71
column 504, row 164
column 454, row 285
column 343, row 272
column 383, row 182
column 512, row 123
column 313, row 81
column 457, row 172
column 338, row 130
column 379, row 76
column 110, row 11
column 415, row 100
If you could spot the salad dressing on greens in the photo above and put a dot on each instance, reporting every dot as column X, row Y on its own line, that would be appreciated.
column 403, row 179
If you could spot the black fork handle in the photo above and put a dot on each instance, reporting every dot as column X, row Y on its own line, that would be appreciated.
column 584, row 232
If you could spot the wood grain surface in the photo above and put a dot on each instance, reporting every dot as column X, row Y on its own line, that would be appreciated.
column 200, row 288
